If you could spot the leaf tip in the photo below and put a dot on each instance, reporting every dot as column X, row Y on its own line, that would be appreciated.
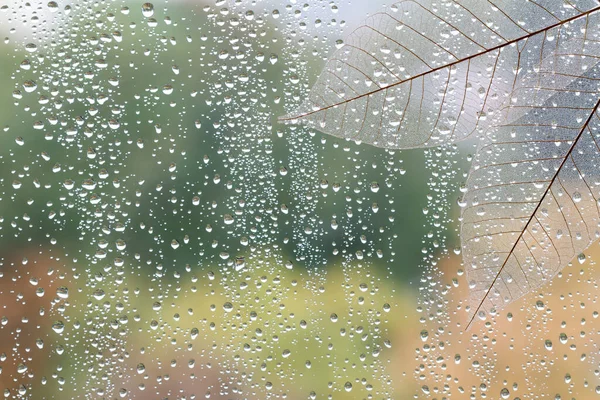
column 287, row 119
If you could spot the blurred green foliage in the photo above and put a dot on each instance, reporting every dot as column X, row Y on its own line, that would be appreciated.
column 169, row 240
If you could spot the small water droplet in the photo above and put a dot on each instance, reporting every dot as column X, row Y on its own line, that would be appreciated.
column 539, row 305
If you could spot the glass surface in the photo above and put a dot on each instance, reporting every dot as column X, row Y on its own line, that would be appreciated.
column 163, row 235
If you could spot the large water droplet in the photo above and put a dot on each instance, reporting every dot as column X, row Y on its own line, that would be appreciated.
column 147, row 10
column 58, row 327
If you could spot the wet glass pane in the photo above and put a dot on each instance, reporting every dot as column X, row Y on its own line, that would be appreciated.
column 309, row 199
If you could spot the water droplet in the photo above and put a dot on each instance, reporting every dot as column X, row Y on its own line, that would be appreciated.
column 141, row 368
column 88, row 184
column 167, row 89
column 539, row 305
column 62, row 292
column 29, row 86
column 147, row 10
column 58, row 327
column 98, row 294
column 563, row 338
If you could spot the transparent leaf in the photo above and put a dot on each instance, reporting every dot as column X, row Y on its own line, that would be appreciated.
column 532, row 195
column 522, row 76
column 428, row 73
